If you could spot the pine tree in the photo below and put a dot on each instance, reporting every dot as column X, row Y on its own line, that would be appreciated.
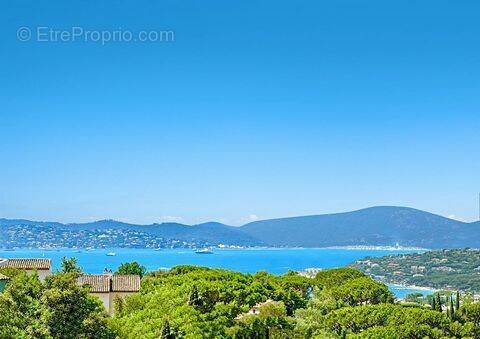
column 194, row 299
column 457, row 301
column 166, row 331
column 452, row 311
column 434, row 303
column 438, row 302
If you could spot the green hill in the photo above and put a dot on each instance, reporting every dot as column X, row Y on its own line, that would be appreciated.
column 455, row 269
column 384, row 225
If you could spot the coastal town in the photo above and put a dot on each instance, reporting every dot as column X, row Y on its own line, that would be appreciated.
column 449, row 269
column 50, row 237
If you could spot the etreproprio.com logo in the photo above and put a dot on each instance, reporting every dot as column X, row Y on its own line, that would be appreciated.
column 80, row 34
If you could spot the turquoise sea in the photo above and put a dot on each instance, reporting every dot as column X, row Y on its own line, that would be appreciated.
column 276, row 261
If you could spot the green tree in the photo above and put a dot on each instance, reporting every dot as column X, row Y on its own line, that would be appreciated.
column 20, row 308
column 470, row 312
column 70, row 311
column 338, row 303
column 166, row 331
column 438, row 302
column 457, row 300
column 193, row 298
column 69, row 265
column 338, row 276
column 414, row 297
column 452, row 310
column 57, row 308
column 132, row 268
column 271, row 321
column 389, row 321
column 360, row 291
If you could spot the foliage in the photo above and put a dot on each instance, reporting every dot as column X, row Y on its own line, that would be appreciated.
column 415, row 298
column 441, row 269
column 167, row 333
column 196, row 302
column 69, row 265
column 202, row 302
column 395, row 321
column 339, row 276
column 457, row 300
column 69, row 311
column 131, row 268
column 470, row 312
column 20, row 308
column 361, row 291
column 57, row 308
column 271, row 321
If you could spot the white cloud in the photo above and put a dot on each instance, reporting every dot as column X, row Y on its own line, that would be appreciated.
column 249, row 218
column 454, row 217
column 224, row 221
column 171, row 218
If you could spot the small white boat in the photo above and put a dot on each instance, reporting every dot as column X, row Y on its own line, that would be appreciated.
column 111, row 254
column 204, row 251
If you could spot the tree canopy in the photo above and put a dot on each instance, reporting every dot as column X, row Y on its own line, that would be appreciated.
column 57, row 308
column 197, row 302
column 70, row 265
column 131, row 268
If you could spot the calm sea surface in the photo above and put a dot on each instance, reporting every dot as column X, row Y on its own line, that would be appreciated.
column 275, row 261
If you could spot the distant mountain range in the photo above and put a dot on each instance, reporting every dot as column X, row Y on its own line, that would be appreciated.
column 111, row 233
column 375, row 226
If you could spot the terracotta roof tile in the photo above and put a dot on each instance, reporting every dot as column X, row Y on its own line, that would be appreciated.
column 27, row 264
column 97, row 283
column 126, row 283
column 100, row 283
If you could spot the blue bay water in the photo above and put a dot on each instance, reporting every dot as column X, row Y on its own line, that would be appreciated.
column 276, row 261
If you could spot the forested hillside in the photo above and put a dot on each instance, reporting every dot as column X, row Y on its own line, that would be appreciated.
column 453, row 269
column 380, row 226
column 196, row 302
column 376, row 226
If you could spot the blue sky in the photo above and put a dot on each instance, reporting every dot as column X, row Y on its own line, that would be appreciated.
column 256, row 110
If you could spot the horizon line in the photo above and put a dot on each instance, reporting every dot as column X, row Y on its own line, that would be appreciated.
column 253, row 221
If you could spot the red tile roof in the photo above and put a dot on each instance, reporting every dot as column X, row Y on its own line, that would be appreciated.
column 27, row 264
column 97, row 283
column 126, row 283
column 100, row 283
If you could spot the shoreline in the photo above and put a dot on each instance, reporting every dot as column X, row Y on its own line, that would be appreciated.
column 379, row 248
column 233, row 247
column 413, row 287
column 155, row 260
